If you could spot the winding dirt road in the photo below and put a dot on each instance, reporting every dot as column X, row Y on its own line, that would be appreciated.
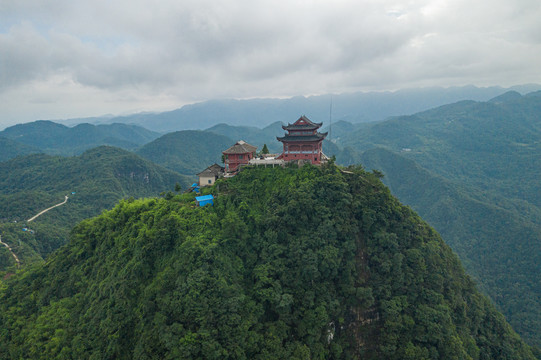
column 52, row 207
column 11, row 251
column 29, row 220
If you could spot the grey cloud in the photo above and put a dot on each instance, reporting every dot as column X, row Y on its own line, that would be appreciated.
column 195, row 50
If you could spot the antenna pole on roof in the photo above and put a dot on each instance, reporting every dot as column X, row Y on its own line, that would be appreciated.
column 330, row 120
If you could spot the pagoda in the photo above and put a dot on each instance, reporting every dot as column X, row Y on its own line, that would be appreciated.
column 302, row 141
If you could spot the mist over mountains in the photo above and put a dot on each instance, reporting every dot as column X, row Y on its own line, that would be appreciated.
column 354, row 107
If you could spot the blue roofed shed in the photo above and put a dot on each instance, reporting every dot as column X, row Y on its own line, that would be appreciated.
column 204, row 200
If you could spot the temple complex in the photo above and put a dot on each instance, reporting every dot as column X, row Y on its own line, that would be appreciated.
column 302, row 141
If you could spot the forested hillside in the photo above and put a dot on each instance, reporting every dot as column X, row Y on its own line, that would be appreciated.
column 289, row 264
column 496, row 240
column 187, row 152
column 490, row 145
column 10, row 149
column 252, row 135
column 99, row 178
column 56, row 139
column 486, row 201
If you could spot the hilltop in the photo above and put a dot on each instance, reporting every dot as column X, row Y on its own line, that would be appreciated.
column 288, row 263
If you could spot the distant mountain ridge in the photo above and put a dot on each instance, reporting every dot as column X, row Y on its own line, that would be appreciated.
column 57, row 139
column 187, row 152
column 494, row 238
column 352, row 107
column 11, row 148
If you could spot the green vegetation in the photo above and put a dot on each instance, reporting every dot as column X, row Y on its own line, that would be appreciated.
column 187, row 152
column 497, row 246
column 476, row 180
column 10, row 149
column 252, row 135
column 99, row 177
column 57, row 139
column 492, row 146
column 308, row 263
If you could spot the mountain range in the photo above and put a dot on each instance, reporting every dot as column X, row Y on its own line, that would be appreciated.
column 57, row 139
column 352, row 107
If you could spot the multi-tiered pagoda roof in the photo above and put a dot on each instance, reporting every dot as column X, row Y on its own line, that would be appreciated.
column 302, row 142
column 302, row 130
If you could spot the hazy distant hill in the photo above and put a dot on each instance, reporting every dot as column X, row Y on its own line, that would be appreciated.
column 253, row 135
column 497, row 240
column 54, row 138
column 490, row 145
column 187, row 152
column 99, row 178
column 353, row 107
column 10, row 149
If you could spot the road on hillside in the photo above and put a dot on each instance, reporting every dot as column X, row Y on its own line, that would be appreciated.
column 11, row 251
column 52, row 207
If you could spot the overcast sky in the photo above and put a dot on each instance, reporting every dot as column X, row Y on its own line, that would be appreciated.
column 69, row 58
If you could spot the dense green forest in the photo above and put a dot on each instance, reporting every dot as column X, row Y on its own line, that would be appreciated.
column 493, row 146
column 498, row 245
column 10, row 149
column 57, row 139
column 99, row 177
column 187, row 152
column 475, row 179
column 309, row 263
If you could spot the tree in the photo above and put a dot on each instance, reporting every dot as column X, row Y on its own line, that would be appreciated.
column 265, row 149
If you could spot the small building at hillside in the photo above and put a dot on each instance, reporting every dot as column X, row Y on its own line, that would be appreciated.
column 204, row 200
column 302, row 141
column 208, row 176
column 238, row 154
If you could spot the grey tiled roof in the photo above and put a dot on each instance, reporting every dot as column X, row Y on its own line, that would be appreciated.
column 241, row 147
column 212, row 170
column 308, row 124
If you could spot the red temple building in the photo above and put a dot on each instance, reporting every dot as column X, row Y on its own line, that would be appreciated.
column 302, row 141
column 238, row 154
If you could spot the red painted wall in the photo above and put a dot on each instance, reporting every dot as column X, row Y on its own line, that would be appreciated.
column 232, row 161
column 299, row 151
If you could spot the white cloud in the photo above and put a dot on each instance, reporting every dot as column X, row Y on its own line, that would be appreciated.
column 126, row 55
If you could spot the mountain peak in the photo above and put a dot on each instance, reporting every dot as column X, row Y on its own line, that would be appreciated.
column 508, row 96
